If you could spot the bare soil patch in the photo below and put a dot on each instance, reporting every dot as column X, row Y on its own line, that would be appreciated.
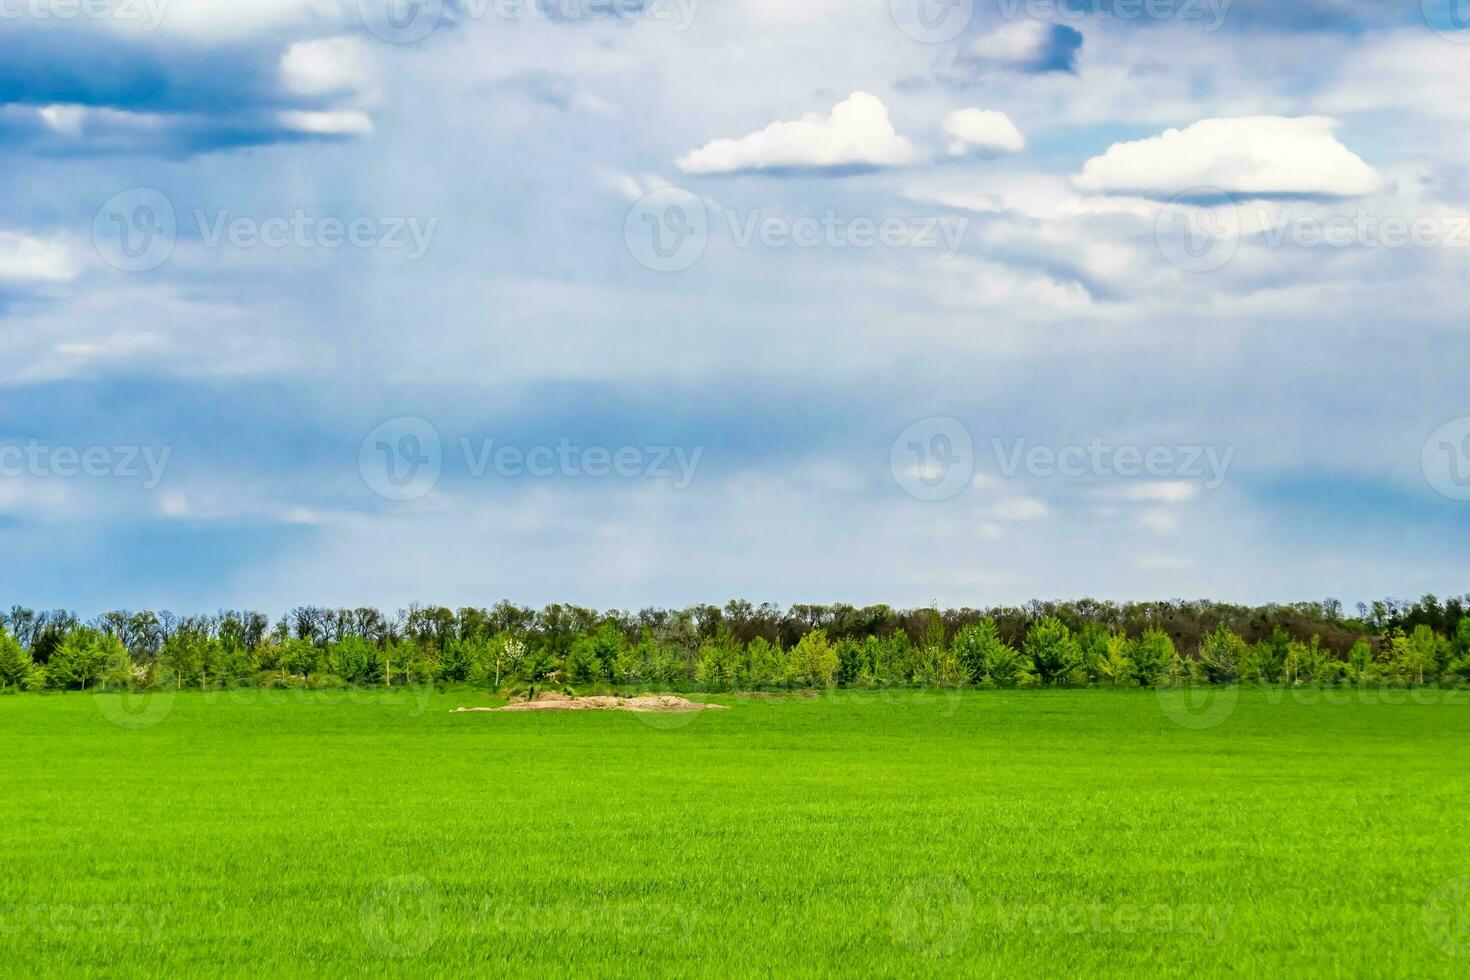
column 556, row 701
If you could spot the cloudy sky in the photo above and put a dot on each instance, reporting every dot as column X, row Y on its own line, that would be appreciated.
column 662, row 301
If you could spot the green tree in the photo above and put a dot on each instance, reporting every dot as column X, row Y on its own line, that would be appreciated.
column 1220, row 655
column 1153, row 656
column 814, row 660
column 765, row 663
column 1052, row 649
column 1115, row 666
column 86, row 657
column 15, row 662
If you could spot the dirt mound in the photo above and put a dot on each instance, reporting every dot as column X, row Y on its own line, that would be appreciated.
column 556, row 701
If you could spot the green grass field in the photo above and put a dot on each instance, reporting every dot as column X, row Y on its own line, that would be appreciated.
column 996, row 833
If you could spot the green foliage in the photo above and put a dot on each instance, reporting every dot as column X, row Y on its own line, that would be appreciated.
column 1153, row 657
column 986, row 658
column 1052, row 650
column 1221, row 654
column 86, row 659
column 355, row 660
column 15, row 662
column 719, row 663
column 765, row 663
column 814, row 660
column 1115, row 666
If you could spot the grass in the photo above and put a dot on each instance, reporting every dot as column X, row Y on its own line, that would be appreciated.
column 902, row 834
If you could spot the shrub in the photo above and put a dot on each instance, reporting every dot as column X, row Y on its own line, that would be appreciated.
column 1051, row 649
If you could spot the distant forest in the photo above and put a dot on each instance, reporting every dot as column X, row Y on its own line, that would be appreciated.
column 742, row 645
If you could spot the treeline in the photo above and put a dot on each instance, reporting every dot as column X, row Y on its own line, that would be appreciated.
column 741, row 645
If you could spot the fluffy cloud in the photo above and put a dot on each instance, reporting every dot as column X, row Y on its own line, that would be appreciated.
column 857, row 135
column 1030, row 47
column 982, row 130
column 27, row 259
column 1250, row 156
column 326, row 66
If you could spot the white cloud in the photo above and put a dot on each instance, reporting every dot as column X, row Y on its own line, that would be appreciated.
column 327, row 66
column 234, row 19
column 1161, row 492
column 1159, row 520
column 984, row 130
column 1251, row 155
column 27, row 259
column 856, row 133
column 1019, row 509
column 334, row 123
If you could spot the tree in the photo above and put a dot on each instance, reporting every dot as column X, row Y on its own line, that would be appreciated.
column 1220, row 654
column 1153, row 655
column 1051, row 648
column 86, row 657
column 508, row 655
column 1116, row 665
column 814, row 660
column 15, row 662
column 984, row 656
column 765, row 663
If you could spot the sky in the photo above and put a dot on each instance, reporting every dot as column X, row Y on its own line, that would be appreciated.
column 637, row 303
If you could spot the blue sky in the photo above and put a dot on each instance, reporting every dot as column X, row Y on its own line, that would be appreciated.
column 840, row 281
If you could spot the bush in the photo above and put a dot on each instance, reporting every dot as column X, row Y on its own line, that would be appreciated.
column 1052, row 650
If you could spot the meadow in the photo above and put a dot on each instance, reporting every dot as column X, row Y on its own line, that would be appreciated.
column 910, row 833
